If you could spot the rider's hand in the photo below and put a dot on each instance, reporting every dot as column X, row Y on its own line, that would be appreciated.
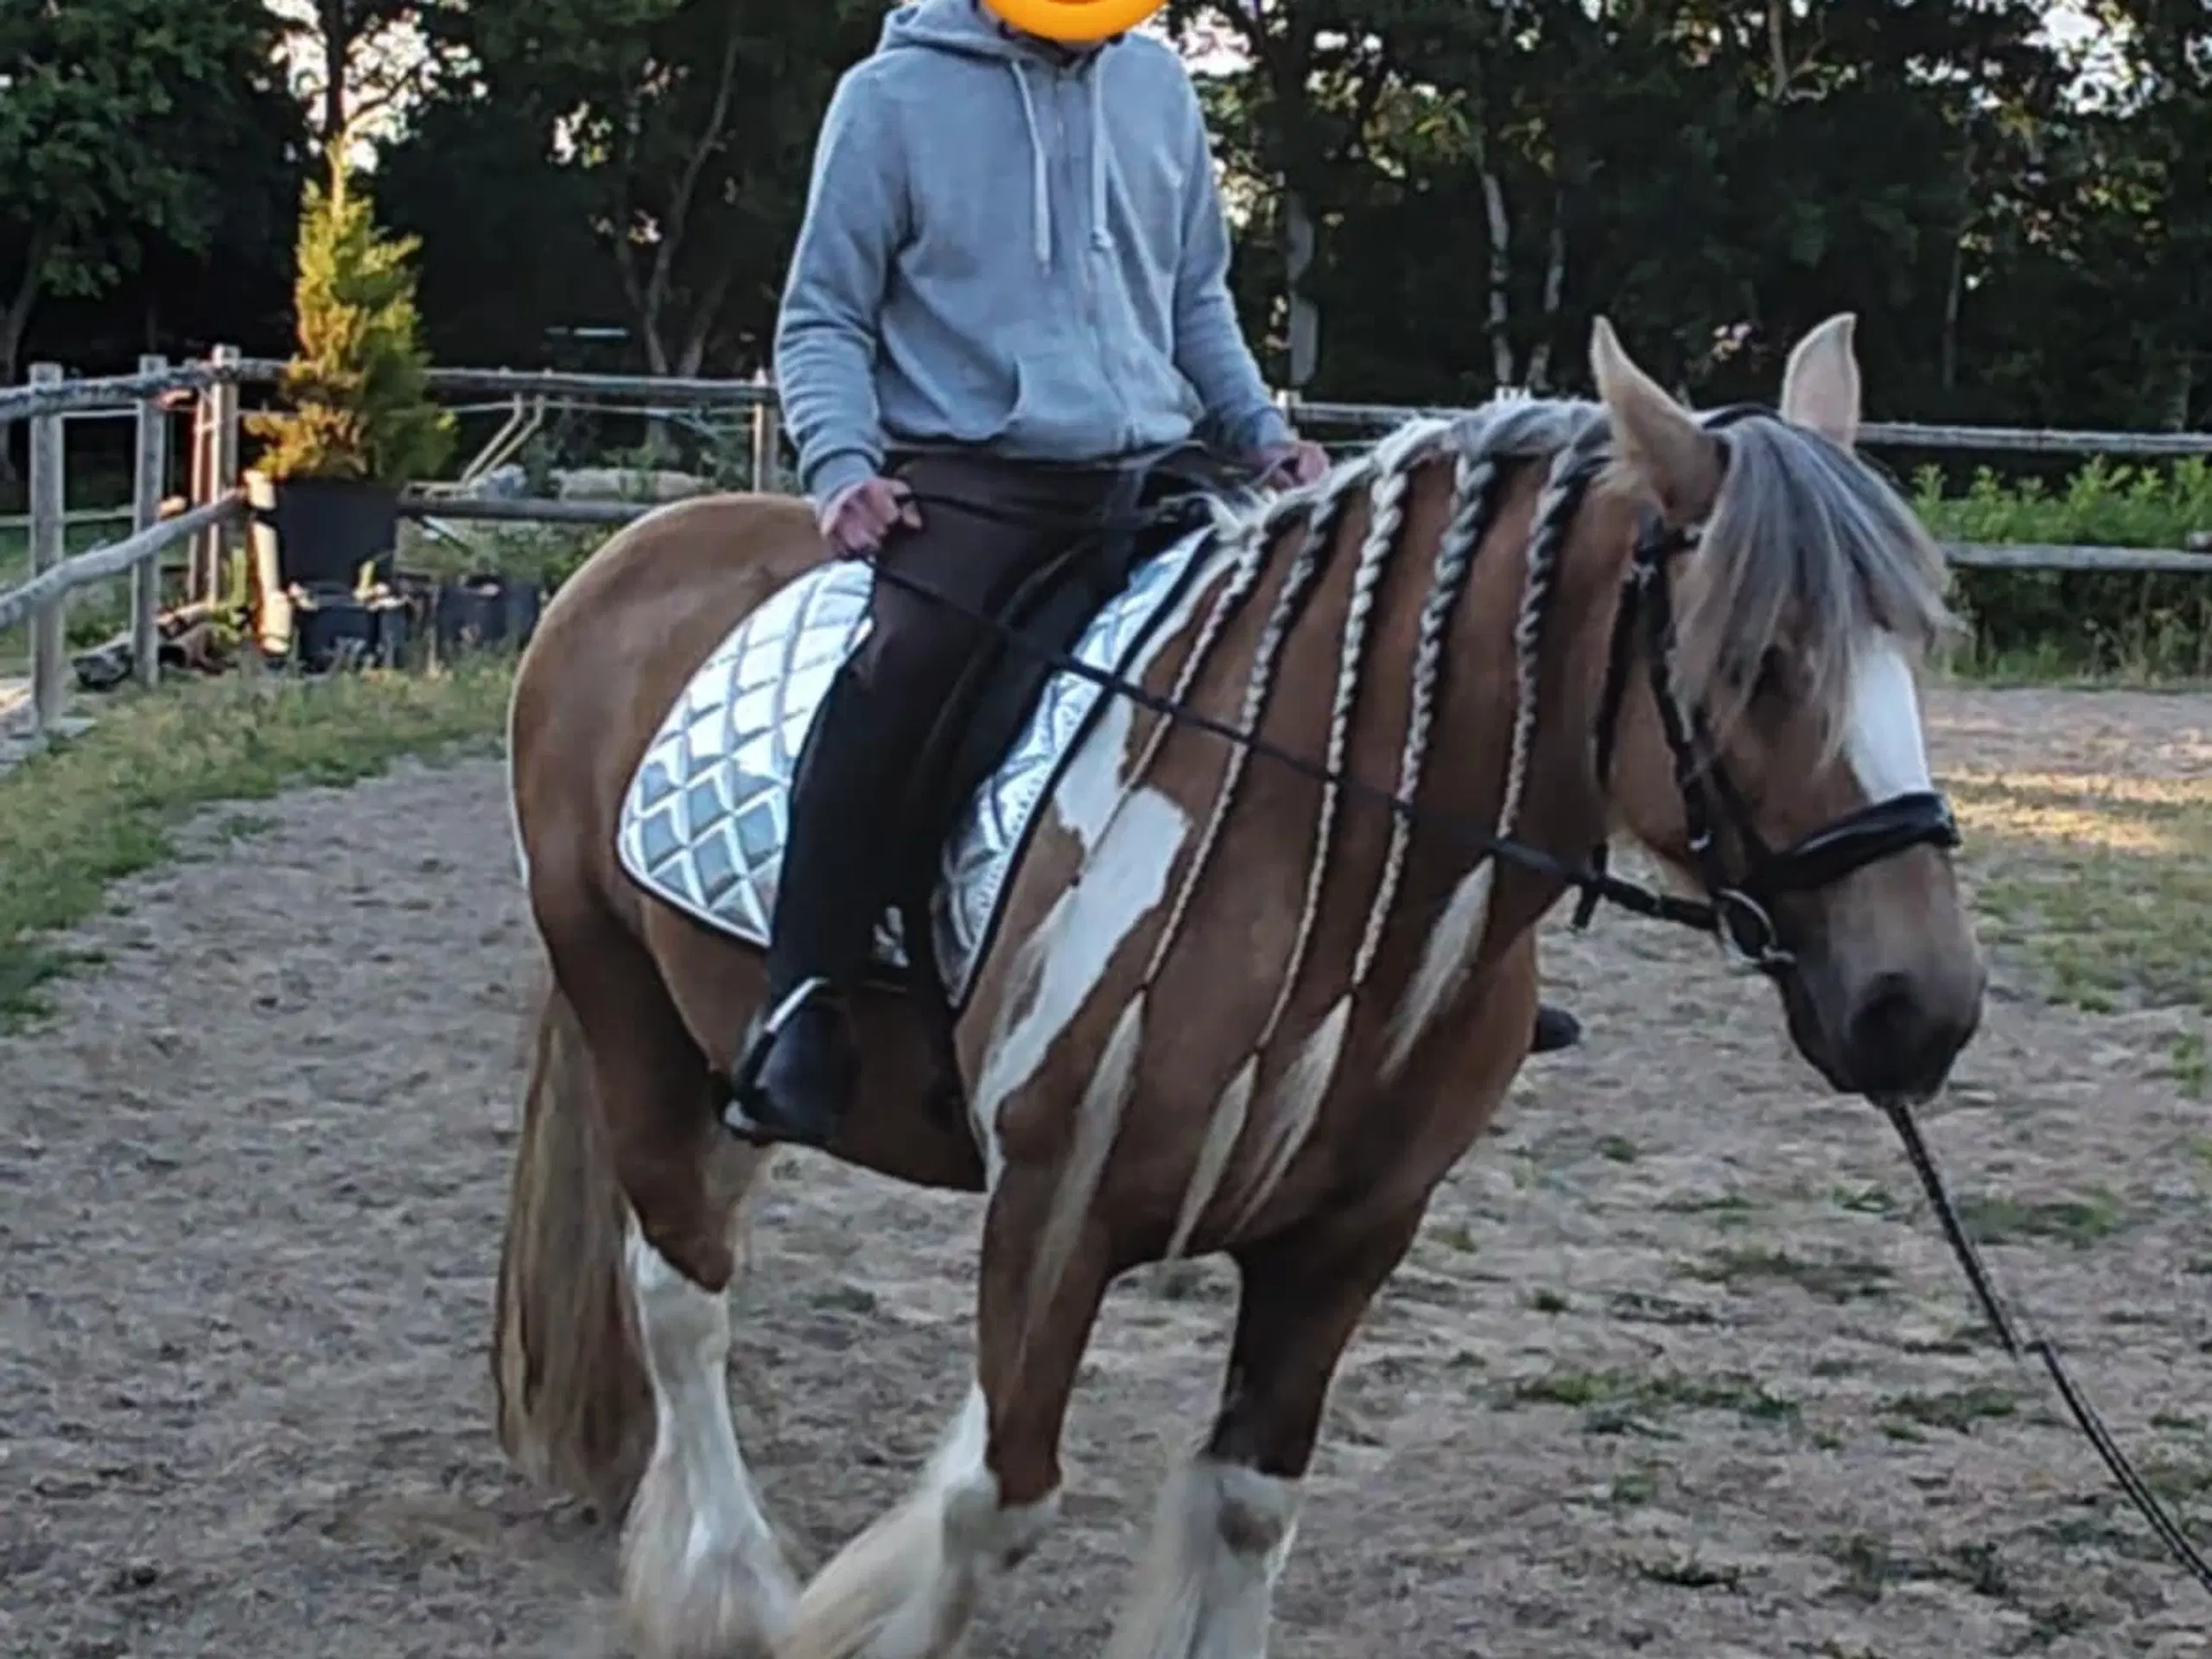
column 1299, row 462
column 857, row 518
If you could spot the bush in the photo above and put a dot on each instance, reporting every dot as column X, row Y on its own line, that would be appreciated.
column 2145, row 626
column 358, row 383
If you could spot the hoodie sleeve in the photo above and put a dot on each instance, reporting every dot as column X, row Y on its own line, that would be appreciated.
column 826, row 329
column 1210, row 345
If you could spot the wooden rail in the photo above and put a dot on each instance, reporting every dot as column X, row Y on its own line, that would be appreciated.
column 1903, row 435
column 211, row 389
column 1973, row 555
column 47, row 402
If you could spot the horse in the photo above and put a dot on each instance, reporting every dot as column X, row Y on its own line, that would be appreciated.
column 1257, row 963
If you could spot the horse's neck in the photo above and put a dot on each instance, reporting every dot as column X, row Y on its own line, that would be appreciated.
column 1526, row 730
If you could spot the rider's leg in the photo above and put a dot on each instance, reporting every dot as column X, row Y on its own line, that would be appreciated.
column 857, row 761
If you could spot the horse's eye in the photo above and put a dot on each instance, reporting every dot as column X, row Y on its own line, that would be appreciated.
column 1767, row 678
column 1772, row 677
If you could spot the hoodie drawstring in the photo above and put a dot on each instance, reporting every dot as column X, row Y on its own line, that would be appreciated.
column 1040, row 188
column 1040, row 185
column 1099, row 239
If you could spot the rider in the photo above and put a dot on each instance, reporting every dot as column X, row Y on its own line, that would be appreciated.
column 1010, row 280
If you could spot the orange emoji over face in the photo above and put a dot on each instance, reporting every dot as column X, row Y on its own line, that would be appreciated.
column 1075, row 21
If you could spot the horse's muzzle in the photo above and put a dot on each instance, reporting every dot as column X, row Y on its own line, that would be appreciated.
column 1902, row 1035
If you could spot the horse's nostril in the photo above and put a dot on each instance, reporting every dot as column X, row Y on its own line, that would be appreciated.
column 1886, row 1014
column 1896, row 1044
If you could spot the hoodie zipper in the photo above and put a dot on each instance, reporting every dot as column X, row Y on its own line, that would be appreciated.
column 1069, row 88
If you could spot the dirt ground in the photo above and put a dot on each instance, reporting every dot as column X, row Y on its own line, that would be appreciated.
column 1680, row 1366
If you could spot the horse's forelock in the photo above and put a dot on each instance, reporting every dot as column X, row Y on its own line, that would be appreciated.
column 1811, row 551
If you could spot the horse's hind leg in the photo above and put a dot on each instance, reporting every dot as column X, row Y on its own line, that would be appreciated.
column 908, row 1587
column 1205, row 1587
column 703, row 1574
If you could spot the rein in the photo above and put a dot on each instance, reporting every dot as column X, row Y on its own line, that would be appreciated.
column 1738, row 911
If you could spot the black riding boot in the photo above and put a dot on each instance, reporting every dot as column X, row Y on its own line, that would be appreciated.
column 796, row 1071
column 1555, row 1029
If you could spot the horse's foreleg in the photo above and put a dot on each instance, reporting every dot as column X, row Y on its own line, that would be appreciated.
column 702, row 1575
column 1205, row 1586
column 908, row 1587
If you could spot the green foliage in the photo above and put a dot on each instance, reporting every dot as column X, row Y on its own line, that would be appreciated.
column 2099, row 622
column 112, row 113
column 357, row 383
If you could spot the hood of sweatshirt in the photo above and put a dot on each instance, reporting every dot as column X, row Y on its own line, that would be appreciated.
column 966, row 29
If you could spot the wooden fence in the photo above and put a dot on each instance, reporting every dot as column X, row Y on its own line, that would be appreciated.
column 210, row 518
column 48, row 402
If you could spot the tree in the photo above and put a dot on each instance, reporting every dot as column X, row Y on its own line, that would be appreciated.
column 691, row 122
column 358, row 384
column 110, row 114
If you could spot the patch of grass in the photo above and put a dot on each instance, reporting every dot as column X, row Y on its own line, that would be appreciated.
column 2188, row 1064
column 93, row 809
column 2178, row 1479
column 1458, row 1235
column 1871, row 1567
column 1657, row 1310
column 1183, row 1282
column 2050, row 1620
column 1868, row 1200
column 1724, row 1209
column 1957, row 1409
column 1615, row 1402
column 846, row 1299
column 1546, row 1301
column 1998, row 1219
column 1634, row 1487
column 1618, row 1149
column 1838, row 1279
column 2099, row 883
column 1691, row 1572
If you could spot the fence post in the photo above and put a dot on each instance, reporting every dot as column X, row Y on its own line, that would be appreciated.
column 225, row 467
column 145, row 510
column 49, row 503
column 765, row 434
column 199, row 490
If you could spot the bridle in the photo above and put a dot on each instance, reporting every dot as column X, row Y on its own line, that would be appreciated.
column 1743, row 902
column 1740, row 904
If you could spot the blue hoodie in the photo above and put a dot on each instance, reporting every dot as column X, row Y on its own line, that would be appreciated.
column 1011, row 246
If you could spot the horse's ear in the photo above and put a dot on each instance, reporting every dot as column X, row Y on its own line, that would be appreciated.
column 1819, row 389
column 1677, row 459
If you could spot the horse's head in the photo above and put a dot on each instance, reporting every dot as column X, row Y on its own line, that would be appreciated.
column 1765, row 735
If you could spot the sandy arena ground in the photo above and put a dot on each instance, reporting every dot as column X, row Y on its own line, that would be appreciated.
column 1678, row 1368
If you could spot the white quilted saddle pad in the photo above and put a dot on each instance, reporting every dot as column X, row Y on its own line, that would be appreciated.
column 703, row 821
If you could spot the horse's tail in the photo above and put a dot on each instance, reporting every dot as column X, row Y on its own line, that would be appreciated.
column 576, row 1407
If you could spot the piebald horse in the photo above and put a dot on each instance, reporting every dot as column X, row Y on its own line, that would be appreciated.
column 1232, row 1004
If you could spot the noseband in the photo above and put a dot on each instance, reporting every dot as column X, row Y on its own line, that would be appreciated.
column 1744, row 901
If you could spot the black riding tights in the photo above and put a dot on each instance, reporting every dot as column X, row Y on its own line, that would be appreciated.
column 846, row 848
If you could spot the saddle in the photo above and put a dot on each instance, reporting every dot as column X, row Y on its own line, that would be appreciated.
column 1148, row 509
column 705, row 819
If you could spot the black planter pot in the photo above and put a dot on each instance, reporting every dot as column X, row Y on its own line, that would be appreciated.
column 480, row 610
column 332, row 629
column 317, row 534
column 326, row 529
